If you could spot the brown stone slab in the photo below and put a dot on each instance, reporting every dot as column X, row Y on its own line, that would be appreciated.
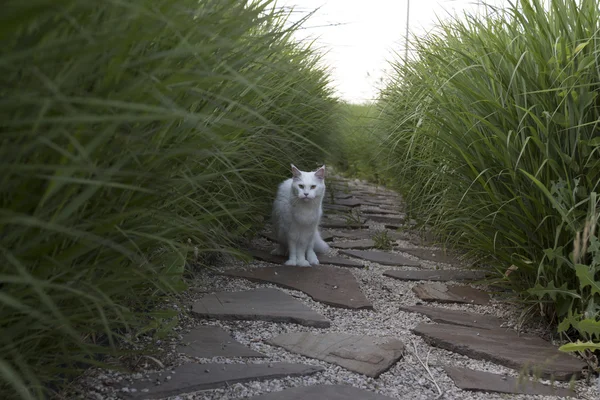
column 323, row 259
column 341, row 196
column 352, row 234
column 436, row 291
column 334, row 286
column 455, row 317
column 521, row 352
column 468, row 379
column 381, row 257
column 336, row 207
column 322, row 392
column 368, row 355
column 393, row 226
column 354, row 244
column 430, row 254
column 325, row 235
column 213, row 341
column 379, row 211
column 351, row 202
column 341, row 225
column 258, row 305
column 387, row 219
column 194, row 377
column 440, row 275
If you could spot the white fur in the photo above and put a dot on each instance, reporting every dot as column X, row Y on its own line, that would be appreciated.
column 296, row 214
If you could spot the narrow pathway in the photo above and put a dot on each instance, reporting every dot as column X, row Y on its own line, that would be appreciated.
column 385, row 316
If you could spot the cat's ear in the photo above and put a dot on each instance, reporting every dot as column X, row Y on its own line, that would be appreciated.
column 320, row 173
column 296, row 172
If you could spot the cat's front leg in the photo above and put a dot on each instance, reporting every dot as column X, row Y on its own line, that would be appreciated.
column 292, row 250
column 311, row 256
column 301, row 253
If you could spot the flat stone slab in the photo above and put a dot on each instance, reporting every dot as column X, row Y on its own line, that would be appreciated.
column 387, row 219
column 323, row 259
column 440, row 275
column 455, row 317
column 193, row 377
column 334, row 286
column 341, row 225
column 325, row 235
column 368, row 355
column 352, row 234
column 258, row 305
column 468, row 379
column 213, row 341
column 341, row 196
column 436, row 291
column 351, row 202
column 430, row 254
column 322, row 392
column 336, row 207
column 521, row 352
column 381, row 257
column 379, row 211
column 354, row 244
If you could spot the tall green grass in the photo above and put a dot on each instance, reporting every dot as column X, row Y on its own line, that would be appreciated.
column 133, row 131
column 357, row 143
column 493, row 137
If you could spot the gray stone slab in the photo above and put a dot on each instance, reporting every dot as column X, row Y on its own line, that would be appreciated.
column 323, row 259
column 354, row 244
column 455, row 317
column 430, row 254
column 440, row 275
column 336, row 207
column 258, row 304
column 387, row 219
column 442, row 293
column 379, row 211
column 468, row 379
column 368, row 355
column 393, row 226
column 524, row 353
column 351, row 202
column 325, row 235
column 334, row 286
column 381, row 257
column 341, row 225
column 322, row 392
column 213, row 341
column 352, row 234
column 193, row 377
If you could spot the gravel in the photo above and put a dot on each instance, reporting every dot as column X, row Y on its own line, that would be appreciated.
column 407, row 379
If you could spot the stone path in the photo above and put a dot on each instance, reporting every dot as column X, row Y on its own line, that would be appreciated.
column 352, row 327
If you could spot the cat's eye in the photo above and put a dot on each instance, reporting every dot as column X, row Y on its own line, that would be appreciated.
column 313, row 187
column 301, row 186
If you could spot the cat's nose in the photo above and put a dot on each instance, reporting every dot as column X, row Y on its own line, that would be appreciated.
column 306, row 194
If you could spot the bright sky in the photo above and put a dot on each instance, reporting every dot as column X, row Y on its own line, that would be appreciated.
column 359, row 36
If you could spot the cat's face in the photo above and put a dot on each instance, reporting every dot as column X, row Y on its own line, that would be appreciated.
column 308, row 185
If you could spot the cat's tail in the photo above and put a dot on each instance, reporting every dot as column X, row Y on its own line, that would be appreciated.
column 320, row 245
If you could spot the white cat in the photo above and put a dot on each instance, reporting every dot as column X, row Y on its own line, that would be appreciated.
column 296, row 215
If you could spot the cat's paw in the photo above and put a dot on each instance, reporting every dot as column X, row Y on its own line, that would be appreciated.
column 290, row 262
column 303, row 263
column 312, row 259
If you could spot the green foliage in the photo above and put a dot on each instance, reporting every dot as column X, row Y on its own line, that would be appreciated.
column 382, row 240
column 579, row 346
column 491, row 134
column 356, row 143
column 134, row 132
